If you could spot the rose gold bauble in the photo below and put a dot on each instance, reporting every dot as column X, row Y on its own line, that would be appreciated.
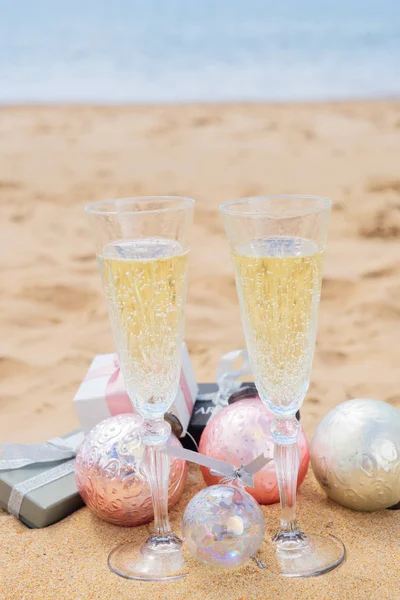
column 240, row 432
column 109, row 472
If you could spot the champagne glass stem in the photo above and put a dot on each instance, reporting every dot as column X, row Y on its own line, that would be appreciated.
column 287, row 467
column 287, row 460
column 158, row 476
column 157, row 465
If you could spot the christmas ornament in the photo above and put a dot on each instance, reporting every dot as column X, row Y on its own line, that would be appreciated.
column 223, row 526
column 355, row 454
column 109, row 472
column 240, row 432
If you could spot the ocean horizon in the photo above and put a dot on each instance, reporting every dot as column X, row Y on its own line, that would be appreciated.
column 177, row 51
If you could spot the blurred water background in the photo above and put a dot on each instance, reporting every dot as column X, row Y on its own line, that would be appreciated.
column 161, row 51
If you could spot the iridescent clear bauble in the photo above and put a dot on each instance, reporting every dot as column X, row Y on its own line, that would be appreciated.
column 355, row 454
column 110, row 476
column 223, row 526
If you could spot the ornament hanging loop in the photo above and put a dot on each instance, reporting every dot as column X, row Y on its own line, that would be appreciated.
column 239, row 477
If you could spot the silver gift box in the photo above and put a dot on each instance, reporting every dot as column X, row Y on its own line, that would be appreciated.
column 48, row 503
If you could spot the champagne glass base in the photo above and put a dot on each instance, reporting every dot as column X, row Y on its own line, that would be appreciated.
column 159, row 559
column 313, row 556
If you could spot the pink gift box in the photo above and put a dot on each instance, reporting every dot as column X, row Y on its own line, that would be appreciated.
column 102, row 393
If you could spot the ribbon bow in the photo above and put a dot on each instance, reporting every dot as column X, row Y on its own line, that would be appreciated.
column 17, row 456
column 244, row 473
column 227, row 378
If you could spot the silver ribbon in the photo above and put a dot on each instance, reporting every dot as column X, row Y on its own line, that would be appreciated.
column 227, row 378
column 20, row 490
column 16, row 456
column 244, row 473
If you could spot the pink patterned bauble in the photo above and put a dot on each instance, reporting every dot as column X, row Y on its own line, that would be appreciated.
column 109, row 472
column 240, row 432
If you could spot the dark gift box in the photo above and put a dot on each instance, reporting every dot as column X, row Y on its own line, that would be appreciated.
column 203, row 410
column 201, row 414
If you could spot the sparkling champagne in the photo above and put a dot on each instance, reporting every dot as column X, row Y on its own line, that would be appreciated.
column 279, row 283
column 145, row 286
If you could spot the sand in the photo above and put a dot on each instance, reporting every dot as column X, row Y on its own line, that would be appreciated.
column 53, row 318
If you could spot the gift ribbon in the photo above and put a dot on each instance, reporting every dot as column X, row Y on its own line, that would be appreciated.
column 227, row 378
column 244, row 473
column 16, row 456
column 33, row 483
column 117, row 399
column 186, row 392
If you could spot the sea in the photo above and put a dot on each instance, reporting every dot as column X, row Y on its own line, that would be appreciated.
column 179, row 51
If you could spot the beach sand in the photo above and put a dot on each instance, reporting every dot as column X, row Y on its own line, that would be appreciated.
column 53, row 318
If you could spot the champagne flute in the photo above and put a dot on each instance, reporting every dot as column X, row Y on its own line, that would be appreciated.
column 278, row 244
column 142, row 250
